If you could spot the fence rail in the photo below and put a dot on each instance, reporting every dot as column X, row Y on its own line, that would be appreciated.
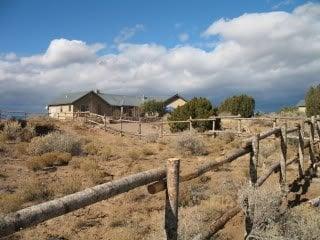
column 169, row 178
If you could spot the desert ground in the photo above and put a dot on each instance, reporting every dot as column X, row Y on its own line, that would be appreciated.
column 28, row 176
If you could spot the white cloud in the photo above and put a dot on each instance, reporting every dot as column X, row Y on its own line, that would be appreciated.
column 127, row 33
column 183, row 37
column 274, row 56
column 282, row 4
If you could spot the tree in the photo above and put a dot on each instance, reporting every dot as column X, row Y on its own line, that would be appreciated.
column 153, row 107
column 196, row 108
column 313, row 101
column 242, row 105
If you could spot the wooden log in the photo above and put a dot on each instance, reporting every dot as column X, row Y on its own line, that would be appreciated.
column 292, row 130
column 218, row 224
column 248, row 142
column 190, row 125
column 239, row 125
column 300, row 151
column 274, row 122
column 253, row 163
column 283, row 155
column 121, row 132
column 214, row 127
column 274, row 168
column 315, row 202
column 311, row 139
column 172, row 201
column 39, row 213
column 211, row 165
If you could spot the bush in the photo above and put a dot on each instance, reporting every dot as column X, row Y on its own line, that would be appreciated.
column 147, row 151
column 68, row 186
column 153, row 107
column 26, row 134
column 42, row 125
column 11, row 130
column 48, row 160
column 105, row 153
column 91, row 148
column 313, row 101
column 35, row 190
column 55, row 142
column 242, row 105
column 196, row 108
column 10, row 202
column 134, row 154
column 191, row 145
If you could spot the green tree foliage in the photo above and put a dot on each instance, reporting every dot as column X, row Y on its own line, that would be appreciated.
column 313, row 101
column 196, row 108
column 242, row 104
column 153, row 107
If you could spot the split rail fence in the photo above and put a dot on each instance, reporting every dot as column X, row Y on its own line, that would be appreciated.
column 168, row 179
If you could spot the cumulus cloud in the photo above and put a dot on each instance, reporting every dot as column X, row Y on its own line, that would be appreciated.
column 127, row 33
column 183, row 37
column 274, row 56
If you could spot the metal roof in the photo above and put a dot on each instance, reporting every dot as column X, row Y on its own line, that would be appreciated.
column 112, row 99
column 301, row 103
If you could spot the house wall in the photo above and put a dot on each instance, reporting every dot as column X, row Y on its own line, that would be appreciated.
column 93, row 103
column 62, row 111
column 176, row 103
column 302, row 109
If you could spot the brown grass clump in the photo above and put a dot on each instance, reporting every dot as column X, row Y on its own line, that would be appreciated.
column 187, row 144
column 10, row 202
column 48, row 160
column 147, row 151
column 35, row 189
column 55, row 142
column 68, row 185
column 105, row 153
column 134, row 154
column 11, row 130
column 91, row 148
column 152, row 138
column 92, row 170
column 26, row 134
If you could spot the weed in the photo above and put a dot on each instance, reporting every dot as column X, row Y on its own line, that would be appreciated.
column 48, row 160
column 134, row 154
column 191, row 145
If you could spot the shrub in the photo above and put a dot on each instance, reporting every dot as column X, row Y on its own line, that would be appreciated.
column 91, row 168
column 153, row 107
column 10, row 202
column 11, row 130
column 26, row 134
column 91, row 148
column 35, row 190
column 48, row 160
column 105, row 153
column 69, row 185
column 134, row 154
column 147, row 151
column 242, row 105
column 55, row 142
column 191, row 145
column 42, row 125
column 152, row 138
column 313, row 101
column 196, row 108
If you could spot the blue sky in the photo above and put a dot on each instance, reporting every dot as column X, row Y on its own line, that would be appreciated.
column 136, row 42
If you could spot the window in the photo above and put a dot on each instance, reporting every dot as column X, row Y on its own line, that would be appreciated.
column 82, row 108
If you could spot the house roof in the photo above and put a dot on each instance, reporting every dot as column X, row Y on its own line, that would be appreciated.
column 112, row 99
column 301, row 103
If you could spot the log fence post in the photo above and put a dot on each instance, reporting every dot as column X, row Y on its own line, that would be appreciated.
column 283, row 155
column 254, row 154
column 214, row 127
column 190, row 125
column 105, row 122
column 239, row 126
column 172, row 201
column 311, row 139
column 300, row 151
column 139, row 128
column 274, row 122
column 121, row 134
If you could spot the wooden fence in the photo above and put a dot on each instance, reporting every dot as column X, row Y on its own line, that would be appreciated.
column 169, row 178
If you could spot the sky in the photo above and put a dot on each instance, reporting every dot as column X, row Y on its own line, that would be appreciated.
column 269, row 49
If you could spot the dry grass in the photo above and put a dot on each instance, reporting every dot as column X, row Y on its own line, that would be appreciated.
column 91, row 168
column 10, row 202
column 134, row 154
column 187, row 144
column 35, row 189
column 105, row 153
column 11, row 130
column 91, row 148
column 55, row 142
column 68, row 185
column 147, row 151
column 48, row 160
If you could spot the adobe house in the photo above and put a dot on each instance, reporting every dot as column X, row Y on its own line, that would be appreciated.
column 105, row 104
column 301, row 106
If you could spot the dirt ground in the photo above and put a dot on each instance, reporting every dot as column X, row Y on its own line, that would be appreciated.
column 137, row 214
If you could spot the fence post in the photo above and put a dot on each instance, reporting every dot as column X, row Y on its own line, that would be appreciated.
column 139, row 128
column 121, row 127
column 239, row 125
column 214, row 127
column 274, row 122
column 300, row 150
column 172, row 201
column 105, row 122
column 283, row 155
column 254, row 159
column 190, row 125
